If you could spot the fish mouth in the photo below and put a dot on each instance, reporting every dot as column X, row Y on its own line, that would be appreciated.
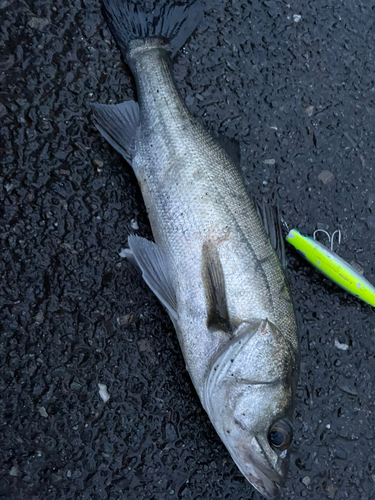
column 269, row 488
column 263, row 468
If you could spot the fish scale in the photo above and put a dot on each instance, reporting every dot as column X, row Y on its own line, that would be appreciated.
column 190, row 208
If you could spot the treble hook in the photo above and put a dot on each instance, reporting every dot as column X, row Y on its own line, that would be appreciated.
column 330, row 237
column 339, row 238
column 284, row 223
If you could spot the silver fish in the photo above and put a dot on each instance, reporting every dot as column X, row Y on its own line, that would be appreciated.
column 212, row 265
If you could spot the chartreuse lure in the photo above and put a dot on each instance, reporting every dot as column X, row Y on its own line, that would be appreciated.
column 332, row 266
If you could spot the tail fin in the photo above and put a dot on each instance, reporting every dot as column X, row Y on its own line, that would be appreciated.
column 168, row 20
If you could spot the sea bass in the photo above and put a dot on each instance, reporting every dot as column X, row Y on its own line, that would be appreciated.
column 212, row 264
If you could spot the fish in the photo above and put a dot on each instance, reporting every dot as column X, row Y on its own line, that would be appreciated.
column 211, row 264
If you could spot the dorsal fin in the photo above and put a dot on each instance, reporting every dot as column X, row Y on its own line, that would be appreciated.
column 118, row 124
column 231, row 147
column 270, row 216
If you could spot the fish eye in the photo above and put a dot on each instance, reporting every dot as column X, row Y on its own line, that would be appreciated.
column 280, row 435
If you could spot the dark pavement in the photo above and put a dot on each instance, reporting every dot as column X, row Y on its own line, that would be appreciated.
column 295, row 85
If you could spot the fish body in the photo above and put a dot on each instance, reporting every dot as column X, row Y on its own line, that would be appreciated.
column 333, row 266
column 212, row 264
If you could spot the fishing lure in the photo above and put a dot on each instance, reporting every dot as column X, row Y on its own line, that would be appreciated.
column 332, row 266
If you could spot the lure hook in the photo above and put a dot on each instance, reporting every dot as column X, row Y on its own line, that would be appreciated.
column 338, row 232
column 330, row 237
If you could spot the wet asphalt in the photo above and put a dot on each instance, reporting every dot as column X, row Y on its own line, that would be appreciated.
column 294, row 83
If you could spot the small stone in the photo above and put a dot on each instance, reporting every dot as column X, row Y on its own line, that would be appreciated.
column 6, row 64
column 14, row 471
column 134, row 224
column 124, row 252
column 189, row 100
column 271, row 161
column 3, row 110
column 297, row 18
column 39, row 318
column 370, row 221
column 43, row 412
column 103, row 393
column 357, row 267
column 326, row 176
column 329, row 488
column 339, row 345
column 306, row 480
column 75, row 386
column 370, row 198
column 125, row 320
column 340, row 453
column 309, row 110
column 69, row 247
column 170, row 432
column 38, row 22
column 98, row 163
column 349, row 390
column 55, row 478
column 145, row 347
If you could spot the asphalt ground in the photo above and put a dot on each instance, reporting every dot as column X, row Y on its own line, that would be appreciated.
column 294, row 84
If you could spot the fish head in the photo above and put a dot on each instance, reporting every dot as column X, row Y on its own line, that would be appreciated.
column 259, row 442
column 248, row 396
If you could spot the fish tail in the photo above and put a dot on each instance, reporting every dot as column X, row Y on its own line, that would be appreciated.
column 168, row 21
column 167, row 25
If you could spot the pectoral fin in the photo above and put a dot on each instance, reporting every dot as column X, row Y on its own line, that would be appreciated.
column 153, row 264
column 214, row 284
